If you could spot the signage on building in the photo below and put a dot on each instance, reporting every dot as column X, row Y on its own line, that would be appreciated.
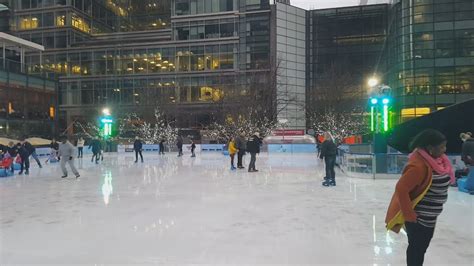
column 288, row 132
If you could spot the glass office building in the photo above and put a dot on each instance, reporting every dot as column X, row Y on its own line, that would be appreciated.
column 346, row 43
column 197, row 60
column 431, row 53
column 191, row 58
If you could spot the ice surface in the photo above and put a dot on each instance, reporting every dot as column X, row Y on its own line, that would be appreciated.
column 178, row 211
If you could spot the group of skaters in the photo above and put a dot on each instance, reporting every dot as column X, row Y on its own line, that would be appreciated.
column 20, row 153
column 240, row 145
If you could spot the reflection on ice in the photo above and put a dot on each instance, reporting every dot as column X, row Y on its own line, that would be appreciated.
column 183, row 211
column 107, row 188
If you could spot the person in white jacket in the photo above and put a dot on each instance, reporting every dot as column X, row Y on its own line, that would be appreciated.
column 80, row 147
column 66, row 153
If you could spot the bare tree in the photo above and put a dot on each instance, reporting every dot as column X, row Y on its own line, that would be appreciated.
column 336, row 104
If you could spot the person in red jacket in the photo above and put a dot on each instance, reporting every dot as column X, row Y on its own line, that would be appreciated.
column 421, row 193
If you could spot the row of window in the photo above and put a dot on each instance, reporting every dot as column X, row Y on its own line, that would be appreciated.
column 462, row 5
column 209, row 29
column 441, row 17
column 194, row 7
column 198, row 58
column 56, row 39
column 53, row 19
column 149, row 91
column 437, row 2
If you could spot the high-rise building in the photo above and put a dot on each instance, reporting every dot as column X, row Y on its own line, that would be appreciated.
column 346, row 46
column 431, row 55
column 197, row 61
column 205, row 60
column 423, row 50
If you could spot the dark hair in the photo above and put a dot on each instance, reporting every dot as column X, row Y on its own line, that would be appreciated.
column 428, row 137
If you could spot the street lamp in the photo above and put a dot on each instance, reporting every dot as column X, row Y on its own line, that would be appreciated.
column 106, row 111
column 373, row 82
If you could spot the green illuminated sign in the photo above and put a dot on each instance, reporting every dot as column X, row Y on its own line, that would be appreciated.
column 106, row 126
column 379, row 114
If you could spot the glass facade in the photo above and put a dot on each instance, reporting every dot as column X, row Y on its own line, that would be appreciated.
column 291, row 62
column 431, row 55
column 188, row 56
column 27, row 102
column 350, row 39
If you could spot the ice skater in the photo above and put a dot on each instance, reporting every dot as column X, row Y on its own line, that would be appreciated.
column 232, row 151
column 328, row 153
column 421, row 193
column 162, row 147
column 66, row 152
column 179, row 144
column 253, row 147
column 193, row 148
column 54, row 149
column 241, row 146
column 96, row 147
column 25, row 161
column 12, row 150
column 80, row 147
column 31, row 151
column 138, row 147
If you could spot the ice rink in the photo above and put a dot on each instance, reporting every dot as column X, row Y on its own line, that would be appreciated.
column 181, row 211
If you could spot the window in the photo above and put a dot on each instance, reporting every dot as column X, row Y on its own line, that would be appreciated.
column 61, row 19
column 29, row 22
column 227, row 29
column 80, row 24
column 182, row 7
column 48, row 20
column 212, row 29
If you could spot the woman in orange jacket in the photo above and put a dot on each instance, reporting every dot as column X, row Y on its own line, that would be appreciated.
column 421, row 193
column 232, row 151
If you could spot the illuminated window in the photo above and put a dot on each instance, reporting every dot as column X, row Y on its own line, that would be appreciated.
column 28, row 23
column 210, row 94
column 60, row 21
column 51, row 112
column 415, row 112
column 80, row 24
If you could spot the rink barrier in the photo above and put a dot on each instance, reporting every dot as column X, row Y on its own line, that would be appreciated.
column 291, row 148
column 360, row 164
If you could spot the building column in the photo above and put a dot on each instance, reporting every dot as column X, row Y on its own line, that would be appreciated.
column 4, row 59
column 22, row 59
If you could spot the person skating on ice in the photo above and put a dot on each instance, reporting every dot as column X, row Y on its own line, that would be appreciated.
column 31, row 151
column 54, row 147
column 253, row 147
column 66, row 152
column 232, row 151
column 80, row 147
column 162, row 147
column 12, row 149
column 328, row 153
column 179, row 144
column 96, row 147
column 193, row 148
column 241, row 146
column 25, row 161
column 420, row 193
column 138, row 148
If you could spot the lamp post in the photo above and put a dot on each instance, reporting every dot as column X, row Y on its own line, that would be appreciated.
column 380, row 103
column 106, row 122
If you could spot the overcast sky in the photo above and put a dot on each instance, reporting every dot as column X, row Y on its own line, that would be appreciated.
column 318, row 4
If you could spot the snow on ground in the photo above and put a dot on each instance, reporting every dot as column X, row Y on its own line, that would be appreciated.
column 181, row 211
